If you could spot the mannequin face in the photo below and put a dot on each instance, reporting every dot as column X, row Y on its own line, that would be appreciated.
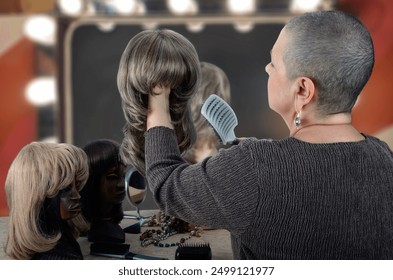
column 112, row 187
column 70, row 205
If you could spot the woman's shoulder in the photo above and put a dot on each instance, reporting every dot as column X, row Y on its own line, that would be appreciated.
column 265, row 146
column 266, row 142
column 377, row 142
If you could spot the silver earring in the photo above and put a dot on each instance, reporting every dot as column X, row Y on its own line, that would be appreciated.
column 297, row 120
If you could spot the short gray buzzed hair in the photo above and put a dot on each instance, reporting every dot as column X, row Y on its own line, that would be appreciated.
column 336, row 51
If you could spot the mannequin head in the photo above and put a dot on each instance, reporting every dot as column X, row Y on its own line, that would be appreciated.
column 104, row 191
column 42, row 189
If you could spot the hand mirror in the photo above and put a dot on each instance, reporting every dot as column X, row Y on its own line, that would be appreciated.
column 135, row 186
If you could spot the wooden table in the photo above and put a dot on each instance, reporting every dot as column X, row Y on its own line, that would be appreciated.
column 218, row 239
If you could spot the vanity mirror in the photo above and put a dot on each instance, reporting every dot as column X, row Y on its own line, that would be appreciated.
column 87, row 74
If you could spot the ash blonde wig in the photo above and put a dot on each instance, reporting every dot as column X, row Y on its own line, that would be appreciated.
column 213, row 81
column 39, row 171
column 156, row 57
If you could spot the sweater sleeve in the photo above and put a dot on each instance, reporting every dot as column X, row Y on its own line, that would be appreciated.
column 221, row 191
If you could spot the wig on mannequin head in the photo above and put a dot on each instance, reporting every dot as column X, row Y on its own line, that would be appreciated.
column 102, row 154
column 103, row 193
column 151, row 58
column 213, row 81
column 37, row 175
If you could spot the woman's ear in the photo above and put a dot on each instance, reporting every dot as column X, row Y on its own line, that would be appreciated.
column 304, row 89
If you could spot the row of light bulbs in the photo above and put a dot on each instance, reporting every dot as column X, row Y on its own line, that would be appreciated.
column 137, row 7
column 177, row 7
column 42, row 29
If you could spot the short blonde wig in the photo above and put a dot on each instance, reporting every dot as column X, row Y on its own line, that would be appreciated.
column 151, row 58
column 39, row 171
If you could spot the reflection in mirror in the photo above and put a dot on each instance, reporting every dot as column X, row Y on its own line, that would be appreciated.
column 135, row 186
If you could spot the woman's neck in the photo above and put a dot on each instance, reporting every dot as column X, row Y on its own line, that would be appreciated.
column 335, row 128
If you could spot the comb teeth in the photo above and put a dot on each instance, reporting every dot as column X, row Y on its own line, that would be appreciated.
column 221, row 117
column 193, row 251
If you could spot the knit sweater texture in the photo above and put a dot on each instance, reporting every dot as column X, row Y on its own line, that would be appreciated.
column 282, row 199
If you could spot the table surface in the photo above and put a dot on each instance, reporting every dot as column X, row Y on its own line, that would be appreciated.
column 218, row 239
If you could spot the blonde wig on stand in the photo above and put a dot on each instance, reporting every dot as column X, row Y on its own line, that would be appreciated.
column 38, row 172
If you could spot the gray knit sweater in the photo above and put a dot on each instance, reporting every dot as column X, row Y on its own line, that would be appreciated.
column 282, row 199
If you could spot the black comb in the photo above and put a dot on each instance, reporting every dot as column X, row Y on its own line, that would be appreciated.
column 193, row 251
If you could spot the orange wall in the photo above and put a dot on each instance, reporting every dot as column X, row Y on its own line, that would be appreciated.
column 374, row 109
column 18, row 124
